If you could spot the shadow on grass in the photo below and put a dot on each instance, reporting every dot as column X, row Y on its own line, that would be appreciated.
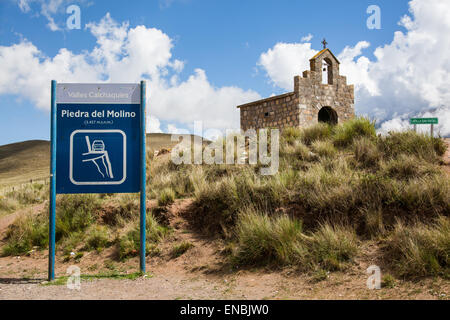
column 63, row 280
column 21, row 280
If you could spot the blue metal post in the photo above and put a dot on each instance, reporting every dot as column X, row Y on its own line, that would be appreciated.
column 52, row 206
column 143, row 215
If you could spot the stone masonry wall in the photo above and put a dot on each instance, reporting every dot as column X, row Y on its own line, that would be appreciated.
column 276, row 112
column 301, row 107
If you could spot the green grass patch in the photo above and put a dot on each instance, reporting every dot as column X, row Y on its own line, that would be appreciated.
column 129, row 244
column 75, row 213
column 320, row 131
column 60, row 281
column 25, row 233
column 180, row 249
column 166, row 197
column 388, row 281
column 98, row 238
column 345, row 134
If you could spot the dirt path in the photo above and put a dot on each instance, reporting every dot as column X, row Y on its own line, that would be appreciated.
column 200, row 273
column 183, row 284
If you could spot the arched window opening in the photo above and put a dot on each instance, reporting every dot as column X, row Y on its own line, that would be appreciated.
column 327, row 71
column 328, row 115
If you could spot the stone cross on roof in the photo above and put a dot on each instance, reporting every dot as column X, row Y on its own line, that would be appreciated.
column 324, row 42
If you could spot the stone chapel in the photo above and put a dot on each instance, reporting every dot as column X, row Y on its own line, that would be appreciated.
column 320, row 95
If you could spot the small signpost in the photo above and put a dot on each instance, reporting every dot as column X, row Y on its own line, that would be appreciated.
column 97, row 146
column 432, row 121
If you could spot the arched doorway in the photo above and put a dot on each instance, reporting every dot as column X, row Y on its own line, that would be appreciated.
column 328, row 115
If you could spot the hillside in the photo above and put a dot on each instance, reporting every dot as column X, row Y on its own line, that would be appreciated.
column 343, row 199
column 20, row 162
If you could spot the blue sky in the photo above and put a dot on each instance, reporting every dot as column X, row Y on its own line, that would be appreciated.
column 225, row 39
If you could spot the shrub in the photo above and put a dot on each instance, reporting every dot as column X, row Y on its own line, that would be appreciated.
column 374, row 225
column 296, row 156
column 388, row 281
column 75, row 213
column 128, row 244
column 366, row 152
column 119, row 211
column 29, row 194
column 180, row 249
column 25, row 233
column 218, row 203
column 332, row 191
column 420, row 249
column 407, row 167
column 70, row 243
column 166, row 197
column 326, row 189
column 303, row 152
column 319, row 275
column 424, row 197
column 280, row 240
column 265, row 240
column 320, row 131
column 291, row 135
column 353, row 129
column 324, row 148
column 179, row 181
column 155, row 231
column 7, row 204
column 98, row 238
column 166, row 174
column 411, row 143
column 439, row 146
column 333, row 246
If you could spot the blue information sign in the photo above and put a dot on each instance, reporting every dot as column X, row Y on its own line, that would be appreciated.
column 98, row 138
column 97, row 146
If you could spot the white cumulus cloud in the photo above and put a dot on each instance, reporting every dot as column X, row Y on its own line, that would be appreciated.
column 197, row 99
column 124, row 54
column 307, row 38
column 401, row 123
column 286, row 60
column 153, row 125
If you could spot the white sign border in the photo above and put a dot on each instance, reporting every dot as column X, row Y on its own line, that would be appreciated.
column 93, row 183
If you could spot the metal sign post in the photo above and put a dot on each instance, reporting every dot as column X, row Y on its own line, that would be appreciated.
column 97, row 146
column 431, row 121
column 143, row 214
column 52, row 205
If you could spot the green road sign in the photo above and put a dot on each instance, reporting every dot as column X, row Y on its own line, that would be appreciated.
column 423, row 121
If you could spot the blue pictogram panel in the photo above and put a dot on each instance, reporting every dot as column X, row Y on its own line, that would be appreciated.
column 98, row 148
column 98, row 157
